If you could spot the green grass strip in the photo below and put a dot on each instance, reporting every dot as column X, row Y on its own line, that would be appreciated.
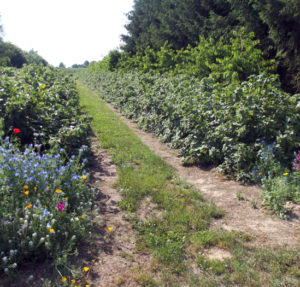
column 179, row 232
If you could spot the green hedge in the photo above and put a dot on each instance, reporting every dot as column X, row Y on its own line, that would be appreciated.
column 43, row 104
column 209, row 122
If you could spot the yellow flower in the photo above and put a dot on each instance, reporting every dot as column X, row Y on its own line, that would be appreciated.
column 260, row 173
column 93, row 260
column 73, row 281
column 86, row 269
column 110, row 228
column 38, row 195
column 29, row 205
column 84, row 177
column 82, row 216
column 58, row 191
column 87, row 285
column 66, row 198
column 35, row 188
column 51, row 230
column 63, row 279
column 25, row 186
column 47, row 188
column 26, row 192
column 286, row 173
column 47, row 154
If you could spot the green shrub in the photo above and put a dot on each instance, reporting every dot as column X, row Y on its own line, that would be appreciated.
column 108, row 63
column 43, row 104
column 227, row 61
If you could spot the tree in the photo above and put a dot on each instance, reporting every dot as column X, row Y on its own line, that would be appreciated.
column 34, row 58
column 276, row 23
column 283, row 20
column 11, row 55
column 180, row 23
column 62, row 65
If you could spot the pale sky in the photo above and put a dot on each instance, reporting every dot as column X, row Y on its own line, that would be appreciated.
column 68, row 31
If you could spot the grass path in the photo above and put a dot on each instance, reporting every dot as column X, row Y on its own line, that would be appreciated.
column 171, row 221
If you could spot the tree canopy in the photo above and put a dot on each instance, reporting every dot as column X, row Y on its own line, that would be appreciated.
column 11, row 56
column 62, row 65
column 81, row 66
column 33, row 57
column 276, row 23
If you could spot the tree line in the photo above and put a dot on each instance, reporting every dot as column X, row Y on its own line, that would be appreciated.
column 12, row 56
column 276, row 23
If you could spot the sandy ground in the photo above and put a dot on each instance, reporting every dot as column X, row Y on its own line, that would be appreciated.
column 118, row 263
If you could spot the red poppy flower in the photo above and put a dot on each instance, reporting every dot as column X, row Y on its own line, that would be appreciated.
column 16, row 130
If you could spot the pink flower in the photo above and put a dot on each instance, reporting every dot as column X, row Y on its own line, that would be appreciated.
column 60, row 206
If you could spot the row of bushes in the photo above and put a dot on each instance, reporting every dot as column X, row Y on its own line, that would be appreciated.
column 47, row 208
column 43, row 104
column 229, row 126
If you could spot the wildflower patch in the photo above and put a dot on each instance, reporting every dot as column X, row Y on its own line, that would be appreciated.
column 42, row 202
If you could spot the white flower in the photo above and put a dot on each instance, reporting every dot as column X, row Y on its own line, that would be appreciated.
column 42, row 239
column 30, row 277
column 14, row 265
column 34, row 234
column 4, row 259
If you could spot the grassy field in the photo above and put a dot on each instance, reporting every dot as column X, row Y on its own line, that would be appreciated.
column 178, row 234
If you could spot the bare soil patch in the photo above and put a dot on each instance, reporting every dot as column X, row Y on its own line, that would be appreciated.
column 148, row 210
column 216, row 253
column 262, row 225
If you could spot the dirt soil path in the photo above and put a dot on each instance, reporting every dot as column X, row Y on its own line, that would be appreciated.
column 265, row 227
column 118, row 263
